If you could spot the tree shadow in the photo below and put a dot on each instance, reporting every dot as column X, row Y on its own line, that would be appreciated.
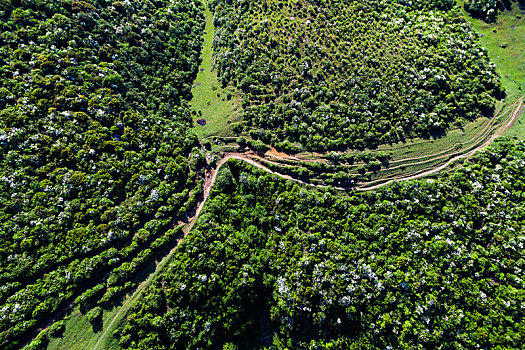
column 97, row 324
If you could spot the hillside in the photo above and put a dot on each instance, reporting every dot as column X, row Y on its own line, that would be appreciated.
column 94, row 147
column 275, row 174
column 325, row 75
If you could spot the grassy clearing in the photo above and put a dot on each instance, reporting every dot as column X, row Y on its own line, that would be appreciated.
column 433, row 153
column 505, row 42
column 455, row 139
column 79, row 333
column 210, row 100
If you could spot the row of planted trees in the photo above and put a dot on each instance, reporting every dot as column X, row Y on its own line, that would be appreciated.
column 96, row 153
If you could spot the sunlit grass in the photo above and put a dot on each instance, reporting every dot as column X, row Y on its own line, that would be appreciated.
column 210, row 100
column 505, row 42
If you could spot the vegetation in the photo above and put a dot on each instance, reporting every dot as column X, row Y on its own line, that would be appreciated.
column 218, row 106
column 326, row 75
column 488, row 10
column 485, row 9
column 424, row 264
column 95, row 146
column 103, row 103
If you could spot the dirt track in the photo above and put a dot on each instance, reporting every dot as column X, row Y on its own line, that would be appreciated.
column 250, row 158
column 491, row 139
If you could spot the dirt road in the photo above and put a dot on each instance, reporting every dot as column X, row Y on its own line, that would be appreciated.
column 252, row 159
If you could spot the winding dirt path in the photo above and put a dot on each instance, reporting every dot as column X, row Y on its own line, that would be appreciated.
column 253, row 159
column 250, row 159
column 491, row 139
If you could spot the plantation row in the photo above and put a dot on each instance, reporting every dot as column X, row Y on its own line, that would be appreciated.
column 94, row 147
column 326, row 75
column 428, row 264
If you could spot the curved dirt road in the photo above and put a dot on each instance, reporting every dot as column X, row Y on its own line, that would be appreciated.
column 491, row 139
column 241, row 156
column 211, row 177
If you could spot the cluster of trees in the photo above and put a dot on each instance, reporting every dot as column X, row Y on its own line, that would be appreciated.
column 335, row 74
column 430, row 264
column 484, row 9
column 96, row 150
column 488, row 10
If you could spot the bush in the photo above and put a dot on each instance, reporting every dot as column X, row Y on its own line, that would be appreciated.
column 94, row 314
column 484, row 9
column 57, row 328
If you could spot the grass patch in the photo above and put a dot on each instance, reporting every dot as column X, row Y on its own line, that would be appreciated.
column 505, row 43
column 455, row 139
column 79, row 333
column 220, row 107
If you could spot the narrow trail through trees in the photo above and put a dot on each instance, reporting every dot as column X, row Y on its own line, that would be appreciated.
column 250, row 158
column 255, row 160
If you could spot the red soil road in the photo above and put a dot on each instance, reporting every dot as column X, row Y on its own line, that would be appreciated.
column 211, row 177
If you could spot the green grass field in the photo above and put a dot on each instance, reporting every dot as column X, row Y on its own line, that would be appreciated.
column 209, row 98
column 79, row 333
column 505, row 42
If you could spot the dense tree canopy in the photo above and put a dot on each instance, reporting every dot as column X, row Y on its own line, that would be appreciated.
column 336, row 74
column 98, row 161
column 95, row 144
column 429, row 264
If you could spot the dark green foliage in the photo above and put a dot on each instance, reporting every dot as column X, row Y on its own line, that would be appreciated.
column 56, row 329
column 488, row 10
column 484, row 9
column 94, row 144
column 94, row 314
column 429, row 264
column 337, row 74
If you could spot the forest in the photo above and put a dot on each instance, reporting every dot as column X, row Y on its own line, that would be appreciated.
column 96, row 153
column 322, row 75
column 429, row 264
column 103, row 176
